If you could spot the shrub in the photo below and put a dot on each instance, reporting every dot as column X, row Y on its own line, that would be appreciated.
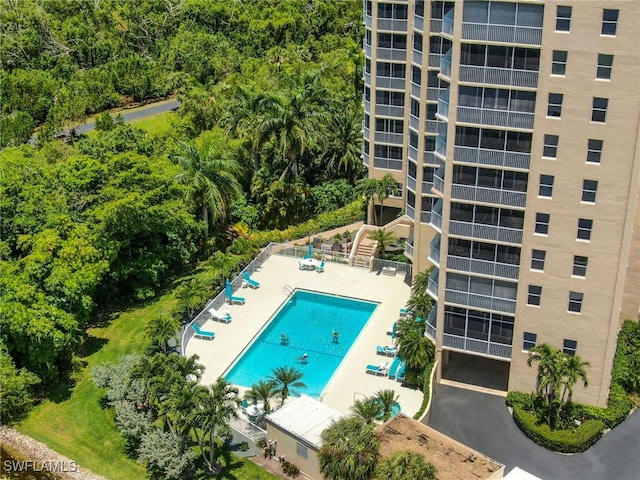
column 426, row 390
column 261, row 443
column 564, row 441
column 518, row 398
column 618, row 407
column 290, row 469
column 243, row 446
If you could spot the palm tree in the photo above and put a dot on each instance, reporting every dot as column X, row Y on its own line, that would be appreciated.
column 386, row 399
column 160, row 329
column 349, row 450
column 212, row 177
column 240, row 118
column 420, row 305
column 403, row 465
column 192, row 295
column 421, row 282
column 220, row 407
column 386, row 187
column 262, row 392
column 345, row 144
column 368, row 409
column 383, row 238
column 368, row 187
column 551, row 370
column 575, row 369
column 286, row 379
column 416, row 349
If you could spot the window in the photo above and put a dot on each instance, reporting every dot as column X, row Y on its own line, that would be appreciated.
column 559, row 62
column 301, row 450
column 546, row 186
column 589, row 189
column 416, row 75
column 575, row 301
column 580, row 266
column 367, row 37
column 554, row 107
column 605, row 65
column 368, row 7
column 609, row 21
column 594, row 150
column 392, row 40
column 387, row 97
column 529, row 340
column 537, row 259
column 389, row 126
column 535, row 295
column 584, row 229
column 542, row 223
column 394, row 70
column 417, row 41
column 550, row 148
column 391, row 10
column 415, row 107
column 419, row 8
column 599, row 112
column 563, row 19
column 569, row 347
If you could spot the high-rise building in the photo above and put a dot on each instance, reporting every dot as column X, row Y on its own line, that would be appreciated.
column 513, row 131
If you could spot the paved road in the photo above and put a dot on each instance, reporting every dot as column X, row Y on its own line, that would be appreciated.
column 482, row 422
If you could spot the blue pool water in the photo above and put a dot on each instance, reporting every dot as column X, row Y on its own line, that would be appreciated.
column 308, row 320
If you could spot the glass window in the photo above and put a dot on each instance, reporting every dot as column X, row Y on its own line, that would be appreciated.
column 575, row 301
column 413, row 140
column 605, row 66
column 554, row 108
column 609, row 21
column 529, row 340
column 416, row 75
column 415, row 107
column 569, row 346
column 563, row 19
column 542, row 223
column 499, row 56
column 367, row 94
column 502, row 13
column 589, row 189
column 475, row 12
column 526, row 59
column 472, row 54
column 537, row 259
column 550, row 148
column 419, row 8
column 546, row 186
column 584, row 228
column 599, row 112
column 580, row 266
column 368, row 7
column 417, row 41
column 530, row 15
column 559, row 62
column 594, row 150
column 301, row 450
column 522, row 101
column 535, row 295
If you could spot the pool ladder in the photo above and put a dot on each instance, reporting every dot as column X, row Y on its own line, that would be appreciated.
column 287, row 289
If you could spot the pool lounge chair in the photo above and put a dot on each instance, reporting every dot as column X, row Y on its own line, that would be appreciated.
column 386, row 350
column 380, row 369
column 250, row 281
column 400, row 374
column 403, row 312
column 224, row 317
column 394, row 367
column 231, row 298
column 392, row 330
column 205, row 335
column 320, row 268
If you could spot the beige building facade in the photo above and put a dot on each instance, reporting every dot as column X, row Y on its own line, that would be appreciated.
column 513, row 129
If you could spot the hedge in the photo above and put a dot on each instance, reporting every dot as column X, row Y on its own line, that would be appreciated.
column 325, row 221
column 564, row 441
column 426, row 391
column 618, row 407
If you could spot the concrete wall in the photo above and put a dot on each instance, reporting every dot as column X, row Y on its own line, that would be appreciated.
column 286, row 444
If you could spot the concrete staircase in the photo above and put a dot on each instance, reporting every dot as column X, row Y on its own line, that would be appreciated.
column 364, row 250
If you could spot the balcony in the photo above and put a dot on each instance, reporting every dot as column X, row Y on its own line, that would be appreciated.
column 441, row 146
column 417, row 57
column 494, row 196
column 502, row 33
column 483, row 267
column 426, row 187
column 447, row 23
column 394, row 83
column 389, row 111
column 438, row 180
column 486, row 302
column 365, row 158
column 485, row 232
column 367, row 50
column 418, row 23
column 368, row 21
column 478, row 346
column 411, row 183
column 415, row 90
column 410, row 211
column 408, row 249
column 434, row 126
column 498, row 76
column 434, row 60
column 436, row 220
column 496, row 158
column 395, row 54
column 432, row 286
column 498, row 118
column 413, row 153
column 436, row 25
column 386, row 137
column 431, row 159
column 432, row 320
column 445, row 65
column 414, row 122
column 434, row 250
column 367, row 79
column 365, row 132
column 392, row 24
column 387, row 163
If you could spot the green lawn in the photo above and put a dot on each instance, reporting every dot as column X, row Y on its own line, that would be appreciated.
column 156, row 125
column 74, row 424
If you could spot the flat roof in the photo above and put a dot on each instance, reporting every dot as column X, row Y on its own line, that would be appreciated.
column 305, row 417
column 453, row 460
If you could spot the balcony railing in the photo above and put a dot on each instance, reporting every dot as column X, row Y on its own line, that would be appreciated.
column 408, row 249
column 367, row 79
column 468, row 299
column 502, row 33
column 433, row 93
column 432, row 288
column 395, row 54
column 365, row 158
column 367, row 50
column 414, row 122
column 365, row 132
column 417, row 57
column 499, row 76
column 386, row 137
column 438, row 181
column 447, row 23
column 485, row 232
column 436, row 25
column 434, row 126
column 413, row 153
column 434, row 252
column 436, row 220
column 483, row 267
column 488, row 195
column 499, row 118
column 411, row 183
column 387, row 163
column 445, row 64
column 431, row 325
column 392, row 24
column 496, row 158
column 441, row 146
column 434, row 60
column 418, row 23
column 394, row 83
column 478, row 346
column 415, row 90
column 431, row 159
column 390, row 111
column 368, row 21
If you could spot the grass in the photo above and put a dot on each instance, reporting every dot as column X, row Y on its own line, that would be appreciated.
column 72, row 422
column 158, row 125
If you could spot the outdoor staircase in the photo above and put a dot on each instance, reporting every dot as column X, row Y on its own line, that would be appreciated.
column 364, row 251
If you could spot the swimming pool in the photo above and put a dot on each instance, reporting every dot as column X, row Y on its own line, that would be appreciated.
column 308, row 320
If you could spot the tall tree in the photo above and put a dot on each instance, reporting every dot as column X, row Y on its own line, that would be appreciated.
column 368, row 187
column 161, row 329
column 191, row 294
column 262, row 392
column 287, row 380
column 386, row 399
column 212, row 176
column 220, row 408
column 349, row 450
column 383, row 238
column 344, row 149
column 368, row 409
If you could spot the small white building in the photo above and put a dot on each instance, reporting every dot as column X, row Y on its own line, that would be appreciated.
column 294, row 432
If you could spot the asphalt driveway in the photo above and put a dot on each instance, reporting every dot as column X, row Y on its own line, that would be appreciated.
column 482, row 422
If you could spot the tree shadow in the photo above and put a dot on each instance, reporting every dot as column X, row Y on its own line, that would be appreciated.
column 91, row 345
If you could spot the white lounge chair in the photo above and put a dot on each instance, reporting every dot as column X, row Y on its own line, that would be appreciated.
column 224, row 317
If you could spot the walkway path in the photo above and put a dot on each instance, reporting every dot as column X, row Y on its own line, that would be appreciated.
column 483, row 422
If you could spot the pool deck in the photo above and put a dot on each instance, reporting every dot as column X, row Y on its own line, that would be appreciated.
column 350, row 381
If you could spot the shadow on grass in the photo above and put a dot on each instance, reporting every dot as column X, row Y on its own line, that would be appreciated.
column 91, row 345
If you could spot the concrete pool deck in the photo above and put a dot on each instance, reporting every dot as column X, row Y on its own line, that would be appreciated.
column 349, row 382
